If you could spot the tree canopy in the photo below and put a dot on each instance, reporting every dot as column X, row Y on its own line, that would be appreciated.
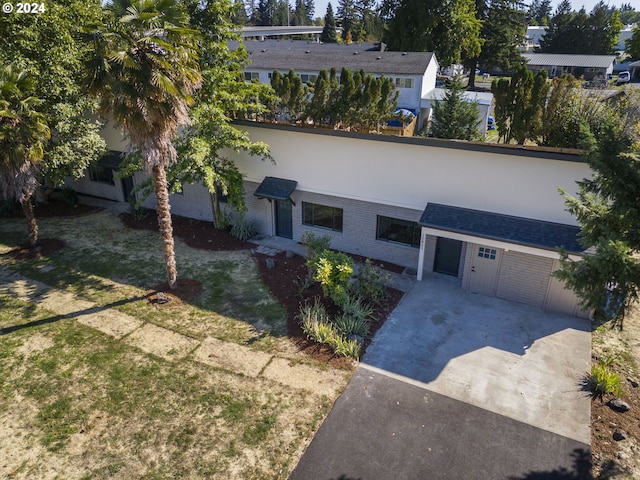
column 454, row 117
column 52, row 49
column 329, row 34
column 502, row 34
column 633, row 43
column 450, row 29
column 607, row 209
column 576, row 32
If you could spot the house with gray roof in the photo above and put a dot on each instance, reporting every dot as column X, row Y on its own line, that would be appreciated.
column 413, row 73
column 589, row 67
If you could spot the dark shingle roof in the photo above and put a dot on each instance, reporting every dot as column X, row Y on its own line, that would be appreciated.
column 282, row 44
column 507, row 228
column 568, row 60
column 400, row 63
column 276, row 188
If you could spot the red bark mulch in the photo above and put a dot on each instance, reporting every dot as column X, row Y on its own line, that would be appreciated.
column 44, row 247
column 187, row 290
column 283, row 282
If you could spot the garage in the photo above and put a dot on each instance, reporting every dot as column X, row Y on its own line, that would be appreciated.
column 500, row 255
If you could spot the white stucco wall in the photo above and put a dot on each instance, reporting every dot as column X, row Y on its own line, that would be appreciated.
column 409, row 176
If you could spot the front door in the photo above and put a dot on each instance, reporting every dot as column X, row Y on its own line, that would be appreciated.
column 284, row 223
column 447, row 256
column 485, row 265
column 127, row 188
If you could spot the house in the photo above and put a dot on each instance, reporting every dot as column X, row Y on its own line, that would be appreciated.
column 484, row 101
column 413, row 73
column 589, row 67
column 487, row 214
column 634, row 70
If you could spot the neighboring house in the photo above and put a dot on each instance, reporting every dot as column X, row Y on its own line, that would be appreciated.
column 589, row 67
column 484, row 100
column 535, row 34
column 413, row 73
column 490, row 215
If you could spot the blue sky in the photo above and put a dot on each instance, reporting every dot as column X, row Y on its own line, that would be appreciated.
column 321, row 5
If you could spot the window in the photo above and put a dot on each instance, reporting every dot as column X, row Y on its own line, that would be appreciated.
column 251, row 76
column 308, row 78
column 404, row 82
column 322, row 216
column 395, row 230
column 103, row 170
column 484, row 252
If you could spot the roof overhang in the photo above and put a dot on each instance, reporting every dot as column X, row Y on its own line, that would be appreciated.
column 536, row 237
column 274, row 188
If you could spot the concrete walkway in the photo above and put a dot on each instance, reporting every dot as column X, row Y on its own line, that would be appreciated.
column 461, row 386
column 166, row 343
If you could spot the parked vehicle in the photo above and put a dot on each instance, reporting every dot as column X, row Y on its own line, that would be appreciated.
column 623, row 77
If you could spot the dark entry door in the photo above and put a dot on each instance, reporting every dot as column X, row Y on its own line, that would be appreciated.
column 447, row 256
column 284, row 224
column 127, row 187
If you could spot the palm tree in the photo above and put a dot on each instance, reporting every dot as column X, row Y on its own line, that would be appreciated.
column 144, row 71
column 23, row 132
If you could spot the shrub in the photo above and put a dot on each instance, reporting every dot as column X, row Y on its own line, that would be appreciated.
column 345, row 347
column 333, row 271
column 371, row 283
column 356, row 307
column 243, row 229
column 314, row 246
column 137, row 210
column 348, row 326
column 603, row 380
column 315, row 322
column 70, row 196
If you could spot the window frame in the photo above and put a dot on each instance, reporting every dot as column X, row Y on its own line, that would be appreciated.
column 337, row 221
column 415, row 233
column 402, row 81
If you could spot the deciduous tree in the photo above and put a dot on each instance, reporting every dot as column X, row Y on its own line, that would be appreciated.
column 52, row 49
column 450, row 29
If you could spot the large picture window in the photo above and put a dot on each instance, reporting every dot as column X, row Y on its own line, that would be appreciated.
column 322, row 216
column 404, row 82
column 103, row 170
column 395, row 230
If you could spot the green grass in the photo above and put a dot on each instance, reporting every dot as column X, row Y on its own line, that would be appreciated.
column 133, row 414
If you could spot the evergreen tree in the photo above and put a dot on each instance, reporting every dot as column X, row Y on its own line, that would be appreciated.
column 633, row 44
column 309, row 8
column 450, row 29
column 628, row 15
column 503, row 32
column 239, row 14
column 519, row 105
column 454, row 117
column 300, row 14
column 607, row 209
column 329, row 34
column 539, row 12
column 317, row 107
column 580, row 33
column 348, row 17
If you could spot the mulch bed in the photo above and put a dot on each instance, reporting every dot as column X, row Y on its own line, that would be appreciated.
column 44, row 247
column 55, row 207
column 195, row 233
column 283, row 282
column 165, row 297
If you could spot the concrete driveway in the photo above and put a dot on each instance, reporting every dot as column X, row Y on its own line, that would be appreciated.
column 461, row 386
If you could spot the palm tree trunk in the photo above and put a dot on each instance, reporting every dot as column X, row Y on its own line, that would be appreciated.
column 32, row 226
column 163, row 210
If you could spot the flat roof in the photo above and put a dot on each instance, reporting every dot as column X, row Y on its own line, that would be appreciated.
column 507, row 228
column 481, row 98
